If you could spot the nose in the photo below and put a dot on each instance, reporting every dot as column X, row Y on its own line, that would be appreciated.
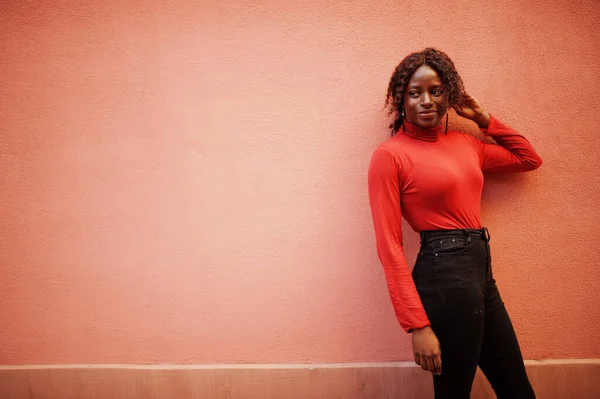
column 426, row 99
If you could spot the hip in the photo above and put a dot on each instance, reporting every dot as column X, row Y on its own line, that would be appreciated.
column 453, row 257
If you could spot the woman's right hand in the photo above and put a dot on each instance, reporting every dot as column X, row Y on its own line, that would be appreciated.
column 426, row 348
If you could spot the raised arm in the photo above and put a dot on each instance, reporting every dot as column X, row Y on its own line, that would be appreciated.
column 384, row 197
column 513, row 153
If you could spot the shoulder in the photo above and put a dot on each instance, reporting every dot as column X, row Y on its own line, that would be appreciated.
column 395, row 146
column 387, row 157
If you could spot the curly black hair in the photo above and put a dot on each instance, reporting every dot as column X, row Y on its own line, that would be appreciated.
column 436, row 59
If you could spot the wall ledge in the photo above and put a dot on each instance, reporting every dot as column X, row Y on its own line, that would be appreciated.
column 552, row 378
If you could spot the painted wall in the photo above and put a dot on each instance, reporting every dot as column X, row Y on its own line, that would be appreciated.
column 186, row 182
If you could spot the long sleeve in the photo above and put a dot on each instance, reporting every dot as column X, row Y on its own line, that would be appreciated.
column 513, row 153
column 384, row 197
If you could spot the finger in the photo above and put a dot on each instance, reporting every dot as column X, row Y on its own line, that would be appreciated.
column 422, row 362
column 437, row 362
column 430, row 365
column 473, row 102
column 467, row 97
column 417, row 359
column 468, row 101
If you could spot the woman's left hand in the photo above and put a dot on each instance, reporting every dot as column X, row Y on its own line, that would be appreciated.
column 471, row 109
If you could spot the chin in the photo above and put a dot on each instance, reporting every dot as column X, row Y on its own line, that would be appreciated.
column 429, row 124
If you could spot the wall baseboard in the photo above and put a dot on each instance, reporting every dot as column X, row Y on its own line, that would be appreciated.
column 552, row 379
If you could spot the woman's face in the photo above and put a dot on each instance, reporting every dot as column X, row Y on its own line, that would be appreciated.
column 425, row 100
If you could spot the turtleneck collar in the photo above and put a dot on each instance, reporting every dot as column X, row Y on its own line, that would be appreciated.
column 416, row 132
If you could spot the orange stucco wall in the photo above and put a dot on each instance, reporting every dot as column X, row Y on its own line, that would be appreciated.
column 186, row 182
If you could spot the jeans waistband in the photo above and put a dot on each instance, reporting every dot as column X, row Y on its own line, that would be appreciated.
column 428, row 236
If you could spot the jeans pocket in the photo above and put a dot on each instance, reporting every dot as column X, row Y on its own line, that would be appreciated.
column 452, row 245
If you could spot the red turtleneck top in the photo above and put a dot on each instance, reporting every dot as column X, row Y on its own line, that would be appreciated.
column 434, row 180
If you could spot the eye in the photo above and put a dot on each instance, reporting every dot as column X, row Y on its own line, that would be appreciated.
column 437, row 92
column 414, row 94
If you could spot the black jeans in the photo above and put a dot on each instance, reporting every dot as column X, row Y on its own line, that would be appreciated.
column 453, row 275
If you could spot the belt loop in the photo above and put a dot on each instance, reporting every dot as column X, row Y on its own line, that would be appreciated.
column 467, row 236
column 486, row 234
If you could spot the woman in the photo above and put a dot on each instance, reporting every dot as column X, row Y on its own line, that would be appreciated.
column 434, row 177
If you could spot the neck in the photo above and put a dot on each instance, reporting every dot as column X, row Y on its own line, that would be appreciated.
column 420, row 133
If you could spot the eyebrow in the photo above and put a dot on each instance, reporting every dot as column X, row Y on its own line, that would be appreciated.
column 419, row 87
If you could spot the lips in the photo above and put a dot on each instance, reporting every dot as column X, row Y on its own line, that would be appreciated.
column 428, row 112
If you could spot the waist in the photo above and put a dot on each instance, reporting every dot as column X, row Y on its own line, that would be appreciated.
column 430, row 236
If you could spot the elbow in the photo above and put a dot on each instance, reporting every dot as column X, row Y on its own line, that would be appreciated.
column 534, row 163
column 529, row 163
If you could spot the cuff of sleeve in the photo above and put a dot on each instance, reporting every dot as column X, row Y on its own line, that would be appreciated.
column 417, row 326
column 491, row 129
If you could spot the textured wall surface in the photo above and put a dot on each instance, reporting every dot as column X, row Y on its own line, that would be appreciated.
column 186, row 182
